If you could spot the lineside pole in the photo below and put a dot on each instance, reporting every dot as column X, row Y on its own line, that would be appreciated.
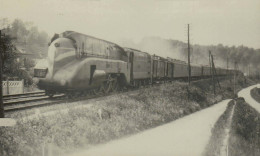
column 210, row 62
column 227, row 62
column 235, row 67
column 2, row 115
column 212, row 74
column 211, row 71
column 227, row 68
column 189, row 70
column 214, row 70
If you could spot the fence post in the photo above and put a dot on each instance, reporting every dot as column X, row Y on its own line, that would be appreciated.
column 23, row 85
column 7, row 86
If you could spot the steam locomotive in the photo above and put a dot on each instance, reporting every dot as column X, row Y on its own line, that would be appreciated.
column 80, row 63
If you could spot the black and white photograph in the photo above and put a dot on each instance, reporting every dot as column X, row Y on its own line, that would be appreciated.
column 129, row 78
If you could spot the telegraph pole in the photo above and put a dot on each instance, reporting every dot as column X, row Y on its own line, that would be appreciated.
column 1, row 79
column 212, row 72
column 210, row 68
column 209, row 62
column 249, row 70
column 227, row 62
column 229, row 74
column 189, row 70
column 235, row 68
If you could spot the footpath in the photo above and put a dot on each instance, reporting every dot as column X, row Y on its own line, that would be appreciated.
column 245, row 93
column 187, row 136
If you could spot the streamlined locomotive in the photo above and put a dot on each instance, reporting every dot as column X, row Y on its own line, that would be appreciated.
column 81, row 63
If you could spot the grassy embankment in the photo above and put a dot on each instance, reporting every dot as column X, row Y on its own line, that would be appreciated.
column 126, row 114
column 218, row 133
column 245, row 132
column 255, row 93
column 244, row 136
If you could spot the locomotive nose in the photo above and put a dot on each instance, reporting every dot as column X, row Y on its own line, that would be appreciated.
column 60, row 53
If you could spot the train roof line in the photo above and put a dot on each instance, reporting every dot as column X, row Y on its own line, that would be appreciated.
column 68, row 33
column 136, row 50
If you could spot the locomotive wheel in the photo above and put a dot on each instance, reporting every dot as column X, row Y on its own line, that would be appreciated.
column 114, row 85
column 98, row 91
column 110, row 85
column 107, row 86
column 72, row 95
column 103, row 89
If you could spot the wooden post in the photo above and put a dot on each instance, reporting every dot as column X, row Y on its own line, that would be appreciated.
column 7, row 86
column 228, row 70
column 23, row 85
column 249, row 70
column 213, row 76
column 189, row 70
column 1, row 79
column 151, row 61
column 210, row 62
column 227, row 63
column 214, row 71
column 235, row 68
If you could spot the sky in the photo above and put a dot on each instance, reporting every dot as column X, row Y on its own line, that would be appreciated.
column 229, row 22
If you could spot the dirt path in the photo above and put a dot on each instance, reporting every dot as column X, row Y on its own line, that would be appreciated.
column 224, row 148
column 183, row 137
column 245, row 93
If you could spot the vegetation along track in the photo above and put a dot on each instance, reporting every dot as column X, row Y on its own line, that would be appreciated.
column 38, row 99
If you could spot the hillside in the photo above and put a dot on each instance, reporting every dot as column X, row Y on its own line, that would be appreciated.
column 245, row 56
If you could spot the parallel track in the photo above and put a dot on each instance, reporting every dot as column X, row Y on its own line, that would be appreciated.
column 45, row 100
column 39, row 99
column 28, row 100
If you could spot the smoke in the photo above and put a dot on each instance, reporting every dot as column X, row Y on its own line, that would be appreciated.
column 224, row 56
column 157, row 46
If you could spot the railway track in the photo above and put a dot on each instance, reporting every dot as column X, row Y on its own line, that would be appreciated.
column 39, row 99
column 28, row 100
column 24, row 95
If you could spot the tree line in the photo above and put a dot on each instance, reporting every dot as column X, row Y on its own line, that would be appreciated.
column 21, row 37
column 225, row 56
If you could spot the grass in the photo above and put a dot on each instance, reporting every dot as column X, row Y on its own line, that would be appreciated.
column 245, row 133
column 82, row 127
column 255, row 93
column 218, row 133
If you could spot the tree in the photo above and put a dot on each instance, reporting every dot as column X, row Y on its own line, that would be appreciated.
column 2, row 115
column 6, row 53
column 7, row 57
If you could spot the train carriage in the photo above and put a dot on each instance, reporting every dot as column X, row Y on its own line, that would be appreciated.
column 218, row 71
column 140, row 64
column 206, row 71
column 170, row 68
column 195, row 71
column 180, row 69
column 159, row 67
